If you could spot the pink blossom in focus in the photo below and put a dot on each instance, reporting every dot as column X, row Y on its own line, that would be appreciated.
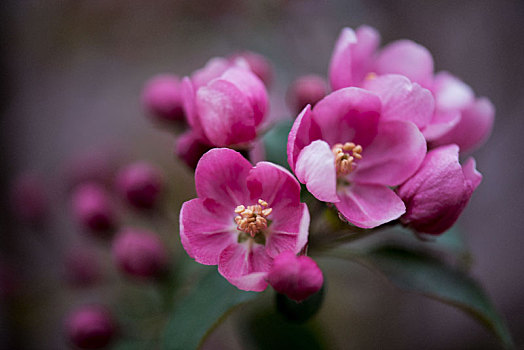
column 439, row 191
column 346, row 155
column 141, row 184
column 308, row 89
column 243, row 218
column 90, row 327
column 94, row 209
column 162, row 98
column 298, row 277
column 224, row 103
column 140, row 253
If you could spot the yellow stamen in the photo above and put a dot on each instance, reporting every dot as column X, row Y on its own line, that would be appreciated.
column 345, row 156
column 252, row 219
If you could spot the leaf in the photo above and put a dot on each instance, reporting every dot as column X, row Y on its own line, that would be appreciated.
column 196, row 315
column 420, row 273
column 275, row 143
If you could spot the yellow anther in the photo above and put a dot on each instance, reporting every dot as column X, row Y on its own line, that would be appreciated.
column 252, row 219
column 345, row 156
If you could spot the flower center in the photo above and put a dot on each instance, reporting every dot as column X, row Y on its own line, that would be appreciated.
column 345, row 157
column 252, row 219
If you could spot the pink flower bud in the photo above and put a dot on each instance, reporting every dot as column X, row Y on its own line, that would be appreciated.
column 140, row 253
column 189, row 149
column 141, row 184
column 93, row 208
column 90, row 327
column 298, row 277
column 162, row 99
column 305, row 90
column 29, row 199
column 439, row 191
column 82, row 267
column 258, row 64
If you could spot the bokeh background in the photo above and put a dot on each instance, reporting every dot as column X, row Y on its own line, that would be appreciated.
column 72, row 72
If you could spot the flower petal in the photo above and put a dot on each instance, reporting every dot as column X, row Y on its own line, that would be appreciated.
column 220, row 178
column 441, row 123
column 245, row 266
column 316, row 169
column 189, row 148
column 291, row 234
column 188, row 102
column 340, row 65
column 472, row 176
column 363, row 52
column 407, row 58
column 393, row 157
column 451, row 93
column 473, row 128
column 225, row 113
column 401, row 99
column 203, row 233
column 252, row 87
column 303, row 132
column 369, row 206
column 349, row 114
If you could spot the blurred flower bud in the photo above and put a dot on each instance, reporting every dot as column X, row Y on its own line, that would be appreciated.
column 29, row 199
column 189, row 149
column 82, row 267
column 298, row 277
column 93, row 208
column 308, row 89
column 258, row 64
column 90, row 327
column 141, row 184
column 439, row 191
column 140, row 253
column 162, row 100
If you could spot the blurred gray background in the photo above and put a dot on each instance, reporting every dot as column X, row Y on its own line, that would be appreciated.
column 72, row 71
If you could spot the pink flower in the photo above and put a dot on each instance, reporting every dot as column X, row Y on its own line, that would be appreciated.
column 90, row 327
column 458, row 117
column 258, row 64
column 94, row 209
column 140, row 253
column 346, row 155
column 224, row 103
column 162, row 98
column 439, row 191
column 243, row 218
column 298, row 277
column 308, row 89
column 141, row 184
column 189, row 148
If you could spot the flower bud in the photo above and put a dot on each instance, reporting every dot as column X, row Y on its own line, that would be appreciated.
column 162, row 99
column 93, row 208
column 189, row 149
column 258, row 64
column 439, row 191
column 141, row 184
column 305, row 90
column 90, row 327
column 298, row 277
column 29, row 199
column 140, row 253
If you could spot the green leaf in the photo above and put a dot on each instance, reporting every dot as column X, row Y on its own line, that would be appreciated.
column 420, row 273
column 196, row 315
column 275, row 143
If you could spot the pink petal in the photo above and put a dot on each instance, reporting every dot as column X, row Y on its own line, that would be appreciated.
column 188, row 102
column 220, row 178
column 189, row 148
column 213, row 69
column 363, row 52
column 407, row 58
column 473, row 128
column 245, row 266
column 290, row 234
column 225, row 113
column 369, row 206
column 349, row 114
column 472, row 176
column 205, row 234
column 316, row 168
column 393, row 157
column 401, row 99
column 451, row 93
column 252, row 87
column 303, row 132
column 340, row 65
column 441, row 123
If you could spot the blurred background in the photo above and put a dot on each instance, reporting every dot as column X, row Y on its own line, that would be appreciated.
column 72, row 74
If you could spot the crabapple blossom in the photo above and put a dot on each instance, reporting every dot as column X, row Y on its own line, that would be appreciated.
column 93, row 208
column 307, row 89
column 162, row 98
column 243, row 218
column 141, row 184
column 90, row 327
